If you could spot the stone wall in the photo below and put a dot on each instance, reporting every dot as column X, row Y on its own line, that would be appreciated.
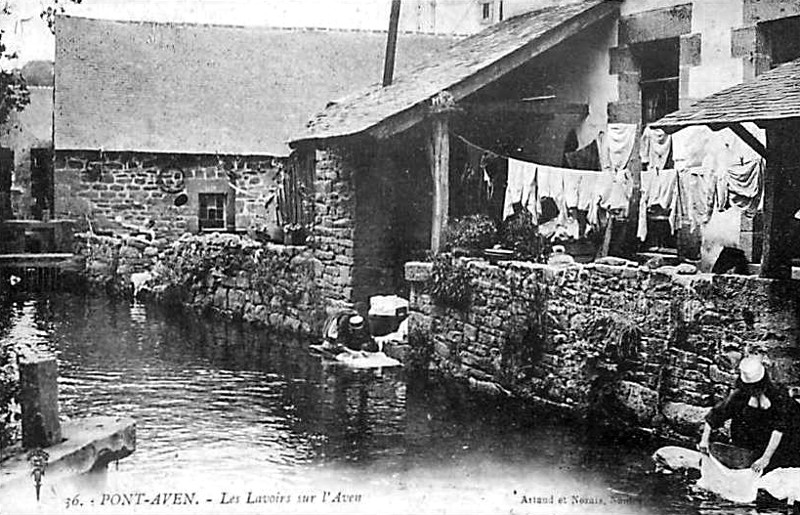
column 371, row 213
column 110, row 261
column 653, row 349
column 228, row 275
column 138, row 187
column 334, row 217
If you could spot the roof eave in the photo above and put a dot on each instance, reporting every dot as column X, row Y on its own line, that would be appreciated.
column 409, row 117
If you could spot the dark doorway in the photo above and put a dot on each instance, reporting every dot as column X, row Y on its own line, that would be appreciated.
column 6, row 168
column 42, row 183
column 659, row 63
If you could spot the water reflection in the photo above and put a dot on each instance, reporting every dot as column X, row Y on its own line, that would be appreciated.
column 226, row 408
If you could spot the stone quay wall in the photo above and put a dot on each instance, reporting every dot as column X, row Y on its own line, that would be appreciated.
column 646, row 348
column 229, row 275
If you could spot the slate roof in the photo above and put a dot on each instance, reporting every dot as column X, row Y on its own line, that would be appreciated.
column 375, row 104
column 772, row 95
column 183, row 88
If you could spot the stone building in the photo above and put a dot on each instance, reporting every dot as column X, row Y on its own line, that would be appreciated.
column 392, row 155
column 184, row 126
column 26, row 147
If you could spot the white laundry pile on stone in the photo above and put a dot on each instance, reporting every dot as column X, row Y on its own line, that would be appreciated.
column 737, row 485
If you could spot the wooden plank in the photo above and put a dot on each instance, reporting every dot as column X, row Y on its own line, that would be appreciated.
column 410, row 117
column 780, row 202
column 747, row 136
column 544, row 108
column 439, row 153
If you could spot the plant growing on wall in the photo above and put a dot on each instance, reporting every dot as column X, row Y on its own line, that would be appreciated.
column 450, row 283
column 473, row 232
column 9, row 390
column 419, row 356
column 527, row 335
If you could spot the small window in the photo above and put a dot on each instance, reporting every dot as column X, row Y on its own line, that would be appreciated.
column 212, row 211
column 486, row 11
column 782, row 41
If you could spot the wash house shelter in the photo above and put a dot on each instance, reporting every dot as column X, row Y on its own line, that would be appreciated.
column 772, row 101
column 566, row 94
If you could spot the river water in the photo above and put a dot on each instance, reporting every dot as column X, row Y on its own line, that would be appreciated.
column 228, row 415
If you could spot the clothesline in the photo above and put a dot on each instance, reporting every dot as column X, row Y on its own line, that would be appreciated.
column 484, row 150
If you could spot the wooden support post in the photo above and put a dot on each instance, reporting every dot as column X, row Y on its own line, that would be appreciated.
column 439, row 153
column 780, row 200
column 38, row 377
column 748, row 138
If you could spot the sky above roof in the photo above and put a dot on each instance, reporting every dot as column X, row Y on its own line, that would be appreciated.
column 28, row 34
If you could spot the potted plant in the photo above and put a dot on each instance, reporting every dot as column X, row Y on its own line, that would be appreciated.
column 470, row 235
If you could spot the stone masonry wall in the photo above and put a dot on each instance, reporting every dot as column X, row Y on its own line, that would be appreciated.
column 232, row 276
column 105, row 186
column 648, row 348
column 334, row 216
column 110, row 262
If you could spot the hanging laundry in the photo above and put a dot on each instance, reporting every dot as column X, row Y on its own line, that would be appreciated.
column 621, row 139
column 613, row 192
column 580, row 188
column 602, row 151
column 474, row 158
column 694, row 190
column 521, row 187
column 745, row 184
column 655, row 148
column 737, row 151
column 586, row 158
column 566, row 188
column 658, row 188
column 689, row 147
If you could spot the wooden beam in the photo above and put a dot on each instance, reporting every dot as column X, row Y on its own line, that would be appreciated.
column 439, row 154
column 534, row 48
column 747, row 136
column 479, row 79
column 545, row 108
column 780, row 202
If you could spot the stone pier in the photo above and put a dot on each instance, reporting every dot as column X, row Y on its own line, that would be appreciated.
column 72, row 448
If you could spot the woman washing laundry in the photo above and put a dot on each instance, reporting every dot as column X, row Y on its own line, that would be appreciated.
column 764, row 419
column 347, row 333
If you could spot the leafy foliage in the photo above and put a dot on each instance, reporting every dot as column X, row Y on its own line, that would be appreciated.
column 473, row 232
column 14, row 94
column 421, row 351
column 9, row 391
column 197, row 265
column 521, row 235
column 450, row 283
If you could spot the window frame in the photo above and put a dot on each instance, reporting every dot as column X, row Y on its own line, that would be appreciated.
column 206, row 224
